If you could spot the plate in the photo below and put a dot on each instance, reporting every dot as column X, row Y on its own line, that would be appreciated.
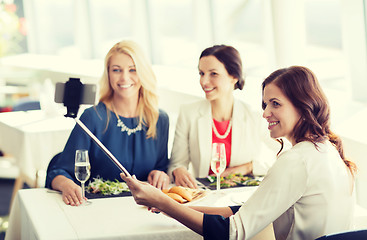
column 100, row 195
column 197, row 194
column 233, row 180
column 110, row 189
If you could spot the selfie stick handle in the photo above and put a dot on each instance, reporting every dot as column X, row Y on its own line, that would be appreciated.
column 105, row 150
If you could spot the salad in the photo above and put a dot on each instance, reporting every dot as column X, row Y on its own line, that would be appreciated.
column 234, row 180
column 106, row 187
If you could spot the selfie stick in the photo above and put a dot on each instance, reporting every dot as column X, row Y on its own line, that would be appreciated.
column 105, row 150
column 72, row 98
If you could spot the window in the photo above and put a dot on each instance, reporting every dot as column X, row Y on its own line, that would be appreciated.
column 50, row 25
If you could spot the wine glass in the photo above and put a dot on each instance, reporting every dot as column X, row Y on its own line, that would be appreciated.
column 218, row 162
column 82, row 168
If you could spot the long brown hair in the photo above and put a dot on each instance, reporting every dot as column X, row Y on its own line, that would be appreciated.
column 302, row 88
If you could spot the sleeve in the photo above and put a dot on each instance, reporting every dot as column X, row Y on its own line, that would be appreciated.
column 235, row 208
column 78, row 139
column 215, row 227
column 282, row 186
column 180, row 149
column 162, row 130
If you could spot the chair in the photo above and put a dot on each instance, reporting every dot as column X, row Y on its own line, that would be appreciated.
column 53, row 160
column 349, row 235
column 27, row 104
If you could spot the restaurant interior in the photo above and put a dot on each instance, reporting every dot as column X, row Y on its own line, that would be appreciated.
column 44, row 42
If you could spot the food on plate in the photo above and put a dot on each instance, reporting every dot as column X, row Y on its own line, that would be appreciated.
column 184, row 195
column 106, row 187
column 165, row 190
column 183, row 192
column 234, row 180
column 176, row 197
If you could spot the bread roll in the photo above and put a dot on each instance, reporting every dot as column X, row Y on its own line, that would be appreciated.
column 183, row 192
column 165, row 190
column 176, row 197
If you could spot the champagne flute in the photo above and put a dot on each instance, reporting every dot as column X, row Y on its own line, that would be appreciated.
column 218, row 162
column 82, row 168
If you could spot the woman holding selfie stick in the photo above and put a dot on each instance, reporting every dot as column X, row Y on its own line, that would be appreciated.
column 307, row 193
column 126, row 120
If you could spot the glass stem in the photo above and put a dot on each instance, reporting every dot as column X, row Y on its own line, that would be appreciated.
column 218, row 181
column 83, row 194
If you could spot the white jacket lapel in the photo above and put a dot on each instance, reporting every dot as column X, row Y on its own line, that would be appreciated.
column 238, row 131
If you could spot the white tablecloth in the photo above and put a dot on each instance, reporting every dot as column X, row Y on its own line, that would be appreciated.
column 33, row 138
column 38, row 214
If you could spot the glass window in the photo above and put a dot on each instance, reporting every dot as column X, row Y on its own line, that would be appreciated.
column 324, row 50
column 111, row 21
column 50, row 25
column 241, row 24
column 172, row 26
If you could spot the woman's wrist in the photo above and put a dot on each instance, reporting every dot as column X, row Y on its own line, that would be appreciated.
column 61, row 182
column 163, row 202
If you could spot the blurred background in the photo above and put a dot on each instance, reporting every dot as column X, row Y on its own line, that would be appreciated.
column 48, row 41
column 328, row 36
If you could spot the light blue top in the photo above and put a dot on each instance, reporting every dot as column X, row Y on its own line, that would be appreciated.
column 137, row 153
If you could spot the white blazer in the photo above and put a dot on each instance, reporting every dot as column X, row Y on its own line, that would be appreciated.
column 193, row 139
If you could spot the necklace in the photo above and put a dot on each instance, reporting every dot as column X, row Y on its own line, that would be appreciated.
column 124, row 128
column 225, row 135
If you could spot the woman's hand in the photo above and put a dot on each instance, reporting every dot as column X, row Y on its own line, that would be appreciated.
column 243, row 169
column 144, row 193
column 158, row 179
column 184, row 178
column 71, row 192
column 155, row 199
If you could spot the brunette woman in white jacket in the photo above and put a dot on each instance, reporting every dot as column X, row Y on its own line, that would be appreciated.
column 220, row 118
column 307, row 193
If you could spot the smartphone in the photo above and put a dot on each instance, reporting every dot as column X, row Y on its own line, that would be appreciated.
column 88, row 95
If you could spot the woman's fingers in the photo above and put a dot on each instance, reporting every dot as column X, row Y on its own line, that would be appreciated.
column 158, row 179
column 71, row 198
column 186, row 180
column 71, row 194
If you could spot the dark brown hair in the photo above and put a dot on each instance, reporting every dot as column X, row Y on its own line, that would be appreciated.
column 302, row 88
column 231, row 60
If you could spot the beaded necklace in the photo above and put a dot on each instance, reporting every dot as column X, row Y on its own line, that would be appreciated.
column 123, row 127
column 225, row 135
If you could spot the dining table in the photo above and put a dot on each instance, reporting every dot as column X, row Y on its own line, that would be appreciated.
column 40, row 213
column 33, row 138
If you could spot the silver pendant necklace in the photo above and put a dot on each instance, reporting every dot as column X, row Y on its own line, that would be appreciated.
column 124, row 128
column 225, row 135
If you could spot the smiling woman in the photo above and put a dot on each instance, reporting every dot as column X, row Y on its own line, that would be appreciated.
column 280, row 113
column 126, row 120
column 306, row 190
column 220, row 118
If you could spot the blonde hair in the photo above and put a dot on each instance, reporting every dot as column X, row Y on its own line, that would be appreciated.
column 148, row 99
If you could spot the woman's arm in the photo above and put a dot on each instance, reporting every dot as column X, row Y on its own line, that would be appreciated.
column 223, row 211
column 187, row 216
column 145, row 194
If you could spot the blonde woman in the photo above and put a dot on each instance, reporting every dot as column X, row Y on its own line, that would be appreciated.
column 126, row 120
